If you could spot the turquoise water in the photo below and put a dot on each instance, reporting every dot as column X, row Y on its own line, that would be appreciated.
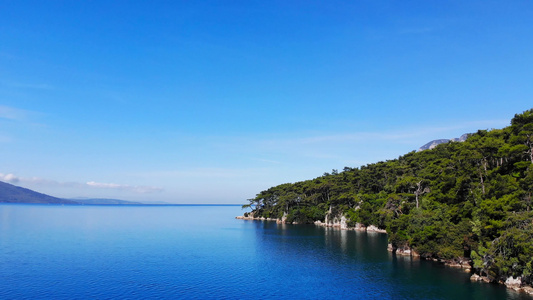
column 202, row 252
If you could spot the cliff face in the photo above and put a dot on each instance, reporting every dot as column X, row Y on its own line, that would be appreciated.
column 334, row 220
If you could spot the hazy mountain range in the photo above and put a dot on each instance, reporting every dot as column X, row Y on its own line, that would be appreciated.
column 14, row 194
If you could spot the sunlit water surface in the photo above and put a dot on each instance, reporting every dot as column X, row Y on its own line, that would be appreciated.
column 202, row 252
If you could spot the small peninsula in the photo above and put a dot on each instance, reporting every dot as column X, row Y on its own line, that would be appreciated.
column 466, row 203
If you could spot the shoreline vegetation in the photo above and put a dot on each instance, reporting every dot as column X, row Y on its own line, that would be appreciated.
column 465, row 204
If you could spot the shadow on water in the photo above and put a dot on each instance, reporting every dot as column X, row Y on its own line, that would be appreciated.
column 357, row 264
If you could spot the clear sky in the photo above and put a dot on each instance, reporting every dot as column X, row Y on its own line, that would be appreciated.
column 214, row 101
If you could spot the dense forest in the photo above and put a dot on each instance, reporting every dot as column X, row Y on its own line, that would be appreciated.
column 460, row 200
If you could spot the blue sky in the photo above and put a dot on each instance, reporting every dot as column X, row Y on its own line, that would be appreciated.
column 214, row 101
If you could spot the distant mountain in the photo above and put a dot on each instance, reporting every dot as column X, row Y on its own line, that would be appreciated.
column 99, row 201
column 156, row 202
column 434, row 143
column 13, row 194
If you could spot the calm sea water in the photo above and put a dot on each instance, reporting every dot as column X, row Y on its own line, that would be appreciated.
column 202, row 252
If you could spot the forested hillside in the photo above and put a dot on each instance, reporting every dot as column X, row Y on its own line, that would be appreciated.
column 468, row 199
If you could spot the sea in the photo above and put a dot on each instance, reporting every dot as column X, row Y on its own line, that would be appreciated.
column 203, row 252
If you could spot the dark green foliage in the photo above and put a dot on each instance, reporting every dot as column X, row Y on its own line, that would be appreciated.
column 461, row 199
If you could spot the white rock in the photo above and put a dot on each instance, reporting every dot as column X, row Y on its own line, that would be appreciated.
column 475, row 277
column 512, row 282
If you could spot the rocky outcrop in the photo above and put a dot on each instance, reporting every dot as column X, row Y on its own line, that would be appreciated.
column 404, row 251
column 336, row 220
column 339, row 222
column 253, row 218
column 250, row 216
column 477, row 277
column 434, row 143
column 331, row 220
column 283, row 219
column 342, row 224
column 373, row 228
column 460, row 262
column 517, row 285
column 511, row 283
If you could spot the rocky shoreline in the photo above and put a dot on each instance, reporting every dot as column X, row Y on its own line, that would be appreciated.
column 464, row 263
column 511, row 283
column 343, row 226
column 256, row 219
column 340, row 224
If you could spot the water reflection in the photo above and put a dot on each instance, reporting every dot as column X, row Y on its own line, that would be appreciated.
column 203, row 252
column 360, row 260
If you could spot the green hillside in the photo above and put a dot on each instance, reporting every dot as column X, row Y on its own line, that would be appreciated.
column 460, row 200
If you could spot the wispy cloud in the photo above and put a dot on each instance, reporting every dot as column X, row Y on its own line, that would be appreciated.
column 12, row 178
column 408, row 134
column 135, row 188
column 268, row 161
column 18, row 119
column 33, row 86
column 218, row 173
column 5, row 139
column 15, row 114
column 9, row 178
column 331, row 147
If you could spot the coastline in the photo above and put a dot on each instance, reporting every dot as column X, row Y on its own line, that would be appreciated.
column 336, row 225
column 462, row 263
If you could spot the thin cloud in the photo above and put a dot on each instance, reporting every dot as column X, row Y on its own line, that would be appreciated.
column 198, row 173
column 33, row 86
column 434, row 132
column 268, row 161
column 14, row 114
column 105, row 185
column 135, row 189
column 219, row 174
column 5, row 139
column 12, row 178
column 347, row 146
